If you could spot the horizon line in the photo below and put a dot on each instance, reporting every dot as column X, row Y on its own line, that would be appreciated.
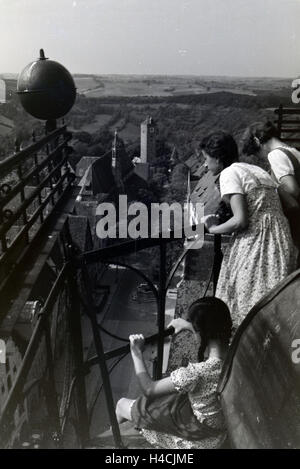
column 253, row 77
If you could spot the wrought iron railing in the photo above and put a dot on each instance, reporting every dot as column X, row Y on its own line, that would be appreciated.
column 32, row 181
column 109, row 254
column 61, row 407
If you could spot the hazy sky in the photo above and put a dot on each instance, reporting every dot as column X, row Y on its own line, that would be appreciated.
column 202, row 37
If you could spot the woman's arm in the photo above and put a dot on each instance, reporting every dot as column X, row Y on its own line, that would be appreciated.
column 149, row 387
column 239, row 220
column 282, row 171
column 290, row 185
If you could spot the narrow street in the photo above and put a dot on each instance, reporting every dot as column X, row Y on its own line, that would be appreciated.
column 122, row 315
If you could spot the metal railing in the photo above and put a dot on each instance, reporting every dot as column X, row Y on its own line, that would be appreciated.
column 288, row 124
column 109, row 254
column 59, row 403
column 31, row 183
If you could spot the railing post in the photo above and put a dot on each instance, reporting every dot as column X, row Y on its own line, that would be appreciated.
column 3, row 237
column 218, row 256
column 102, row 362
column 65, row 152
column 280, row 115
column 38, row 179
column 50, row 389
column 76, row 338
column 49, row 127
column 20, row 175
column 22, row 194
column 161, row 309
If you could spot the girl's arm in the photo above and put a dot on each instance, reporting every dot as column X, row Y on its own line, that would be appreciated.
column 239, row 220
column 149, row 387
column 181, row 324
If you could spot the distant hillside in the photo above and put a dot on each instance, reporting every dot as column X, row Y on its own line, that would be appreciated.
column 186, row 108
column 95, row 86
column 9, row 76
column 182, row 121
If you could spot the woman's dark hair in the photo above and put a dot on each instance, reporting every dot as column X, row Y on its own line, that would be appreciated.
column 256, row 135
column 221, row 146
column 210, row 317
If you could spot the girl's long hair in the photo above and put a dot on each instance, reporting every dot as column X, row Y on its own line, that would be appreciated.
column 211, row 318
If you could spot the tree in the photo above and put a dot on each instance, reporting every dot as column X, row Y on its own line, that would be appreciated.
column 83, row 137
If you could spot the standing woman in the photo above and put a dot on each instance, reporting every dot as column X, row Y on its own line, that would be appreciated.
column 261, row 252
column 262, row 140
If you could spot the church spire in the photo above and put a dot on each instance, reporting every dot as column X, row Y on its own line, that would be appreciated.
column 117, row 147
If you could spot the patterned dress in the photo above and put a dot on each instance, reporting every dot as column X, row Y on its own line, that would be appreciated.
column 190, row 419
column 263, row 254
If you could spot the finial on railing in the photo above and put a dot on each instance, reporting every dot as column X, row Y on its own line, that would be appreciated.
column 42, row 54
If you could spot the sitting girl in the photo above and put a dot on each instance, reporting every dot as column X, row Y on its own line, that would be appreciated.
column 182, row 410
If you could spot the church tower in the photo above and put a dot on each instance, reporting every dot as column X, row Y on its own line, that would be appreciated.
column 116, row 163
column 148, row 141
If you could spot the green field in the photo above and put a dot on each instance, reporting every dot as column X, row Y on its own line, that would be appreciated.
column 99, row 121
column 130, row 85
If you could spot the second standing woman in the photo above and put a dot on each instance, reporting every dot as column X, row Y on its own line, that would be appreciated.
column 261, row 252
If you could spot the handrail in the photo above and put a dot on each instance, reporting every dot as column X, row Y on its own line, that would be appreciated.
column 39, row 330
column 128, row 247
column 16, row 189
column 11, row 162
column 7, row 225
column 125, row 349
column 50, row 179
column 287, row 110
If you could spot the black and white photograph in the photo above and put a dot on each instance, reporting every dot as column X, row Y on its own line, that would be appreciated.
column 149, row 227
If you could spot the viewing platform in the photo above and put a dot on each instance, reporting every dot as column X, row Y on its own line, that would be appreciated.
column 69, row 300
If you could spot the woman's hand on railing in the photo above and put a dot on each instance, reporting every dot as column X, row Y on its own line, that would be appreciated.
column 210, row 220
column 180, row 324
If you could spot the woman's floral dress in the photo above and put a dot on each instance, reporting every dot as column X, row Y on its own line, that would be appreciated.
column 263, row 254
column 197, row 384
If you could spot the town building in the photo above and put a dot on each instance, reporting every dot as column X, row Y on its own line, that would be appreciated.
column 149, row 133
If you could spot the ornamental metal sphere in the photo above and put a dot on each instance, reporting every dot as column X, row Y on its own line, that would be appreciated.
column 46, row 89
